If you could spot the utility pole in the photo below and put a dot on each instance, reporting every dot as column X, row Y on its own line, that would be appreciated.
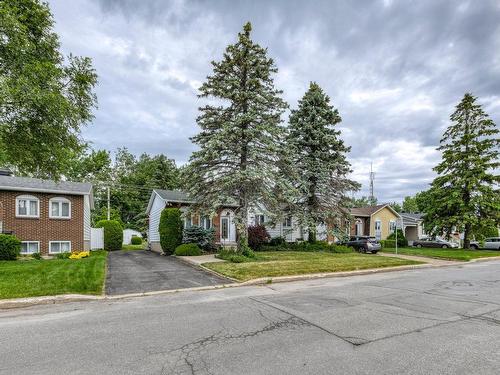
column 109, row 208
column 372, row 177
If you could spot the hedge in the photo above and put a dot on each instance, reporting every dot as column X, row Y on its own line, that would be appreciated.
column 170, row 229
column 136, row 240
column 113, row 234
column 388, row 244
column 188, row 249
column 307, row 246
column 10, row 247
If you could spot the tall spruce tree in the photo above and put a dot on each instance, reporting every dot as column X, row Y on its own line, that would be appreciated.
column 319, row 155
column 242, row 137
column 465, row 193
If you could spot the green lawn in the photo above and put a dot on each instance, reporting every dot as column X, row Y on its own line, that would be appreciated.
column 129, row 247
column 31, row 278
column 449, row 254
column 285, row 263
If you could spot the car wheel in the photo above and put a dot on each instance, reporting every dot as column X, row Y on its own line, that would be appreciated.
column 419, row 246
column 473, row 247
column 362, row 250
column 444, row 246
column 374, row 251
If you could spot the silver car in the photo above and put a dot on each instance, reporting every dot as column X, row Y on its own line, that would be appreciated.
column 492, row 243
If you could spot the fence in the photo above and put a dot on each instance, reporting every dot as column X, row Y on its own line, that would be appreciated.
column 96, row 238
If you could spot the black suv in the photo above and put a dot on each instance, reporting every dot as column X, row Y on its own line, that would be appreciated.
column 364, row 244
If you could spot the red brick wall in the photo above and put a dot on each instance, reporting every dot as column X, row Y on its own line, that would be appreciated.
column 43, row 228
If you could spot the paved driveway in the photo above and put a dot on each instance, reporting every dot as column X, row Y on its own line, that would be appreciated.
column 145, row 271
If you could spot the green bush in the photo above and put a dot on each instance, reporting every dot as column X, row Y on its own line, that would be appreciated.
column 235, row 256
column 37, row 256
column 276, row 241
column 388, row 244
column 402, row 241
column 257, row 236
column 204, row 238
column 170, row 229
column 113, row 234
column 135, row 240
column 10, row 247
column 307, row 246
column 63, row 255
column 188, row 249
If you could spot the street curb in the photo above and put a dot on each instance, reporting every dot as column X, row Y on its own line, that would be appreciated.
column 46, row 300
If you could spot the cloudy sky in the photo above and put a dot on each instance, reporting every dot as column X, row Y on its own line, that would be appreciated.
column 394, row 69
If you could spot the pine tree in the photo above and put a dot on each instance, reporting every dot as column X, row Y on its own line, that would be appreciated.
column 241, row 139
column 319, row 157
column 465, row 193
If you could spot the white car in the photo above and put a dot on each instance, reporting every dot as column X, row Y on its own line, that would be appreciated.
column 492, row 243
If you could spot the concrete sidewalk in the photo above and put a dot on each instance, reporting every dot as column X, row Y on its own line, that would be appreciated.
column 432, row 261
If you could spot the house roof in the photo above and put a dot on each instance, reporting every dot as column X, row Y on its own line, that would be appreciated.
column 174, row 196
column 366, row 211
column 44, row 186
column 411, row 219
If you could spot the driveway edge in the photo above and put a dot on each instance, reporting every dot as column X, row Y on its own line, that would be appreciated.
column 46, row 300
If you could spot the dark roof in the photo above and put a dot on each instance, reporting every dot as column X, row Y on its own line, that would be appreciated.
column 366, row 211
column 409, row 218
column 174, row 196
column 44, row 186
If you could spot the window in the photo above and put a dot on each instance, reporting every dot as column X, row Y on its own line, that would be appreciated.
column 378, row 225
column 206, row 223
column 392, row 226
column 27, row 206
column 259, row 219
column 224, row 228
column 56, row 247
column 188, row 222
column 59, row 208
column 30, row 247
column 287, row 223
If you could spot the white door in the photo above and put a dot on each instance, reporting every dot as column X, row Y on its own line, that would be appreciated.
column 378, row 229
column 227, row 228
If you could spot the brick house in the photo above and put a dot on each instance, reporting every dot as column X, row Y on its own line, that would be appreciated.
column 48, row 217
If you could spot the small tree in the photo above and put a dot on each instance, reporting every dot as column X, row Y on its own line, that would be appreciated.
column 204, row 238
column 10, row 247
column 170, row 229
column 257, row 236
column 402, row 241
column 113, row 234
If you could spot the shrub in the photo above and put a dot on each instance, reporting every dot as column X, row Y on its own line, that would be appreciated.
column 63, row 255
column 188, row 249
column 307, row 246
column 402, row 241
column 257, row 236
column 342, row 249
column 79, row 255
column 277, row 241
column 234, row 256
column 37, row 256
column 135, row 240
column 113, row 234
column 388, row 244
column 10, row 247
column 170, row 229
column 204, row 238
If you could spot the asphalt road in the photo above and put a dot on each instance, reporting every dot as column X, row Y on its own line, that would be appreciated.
column 426, row 321
column 145, row 271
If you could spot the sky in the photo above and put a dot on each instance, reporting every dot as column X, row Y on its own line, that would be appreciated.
column 395, row 70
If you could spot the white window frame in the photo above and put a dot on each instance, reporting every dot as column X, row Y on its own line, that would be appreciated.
column 257, row 219
column 29, row 242
column 392, row 226
column 288, row 220
column 187, row 219
column 204, row 220
column 60, row 252
column 60, row 201
column 28, row 198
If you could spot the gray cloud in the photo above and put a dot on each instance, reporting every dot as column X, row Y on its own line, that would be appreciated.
column 394, row 69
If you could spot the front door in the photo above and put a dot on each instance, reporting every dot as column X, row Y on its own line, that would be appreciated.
column 227, row 228
column 378, row 230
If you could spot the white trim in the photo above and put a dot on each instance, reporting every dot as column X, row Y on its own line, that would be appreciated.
column 27, row 198
column 59, row 200
column 60, row 252
column 28, row 242
column 52, row 191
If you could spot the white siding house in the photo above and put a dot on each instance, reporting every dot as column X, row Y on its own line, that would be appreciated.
column 86, row 221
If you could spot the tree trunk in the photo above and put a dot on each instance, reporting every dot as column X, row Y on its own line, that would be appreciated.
column 467, row 230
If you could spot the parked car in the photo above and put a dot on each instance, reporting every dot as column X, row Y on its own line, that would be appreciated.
column 492, row 243
column 474, row 245
column 437, row 242
column 364, row 244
